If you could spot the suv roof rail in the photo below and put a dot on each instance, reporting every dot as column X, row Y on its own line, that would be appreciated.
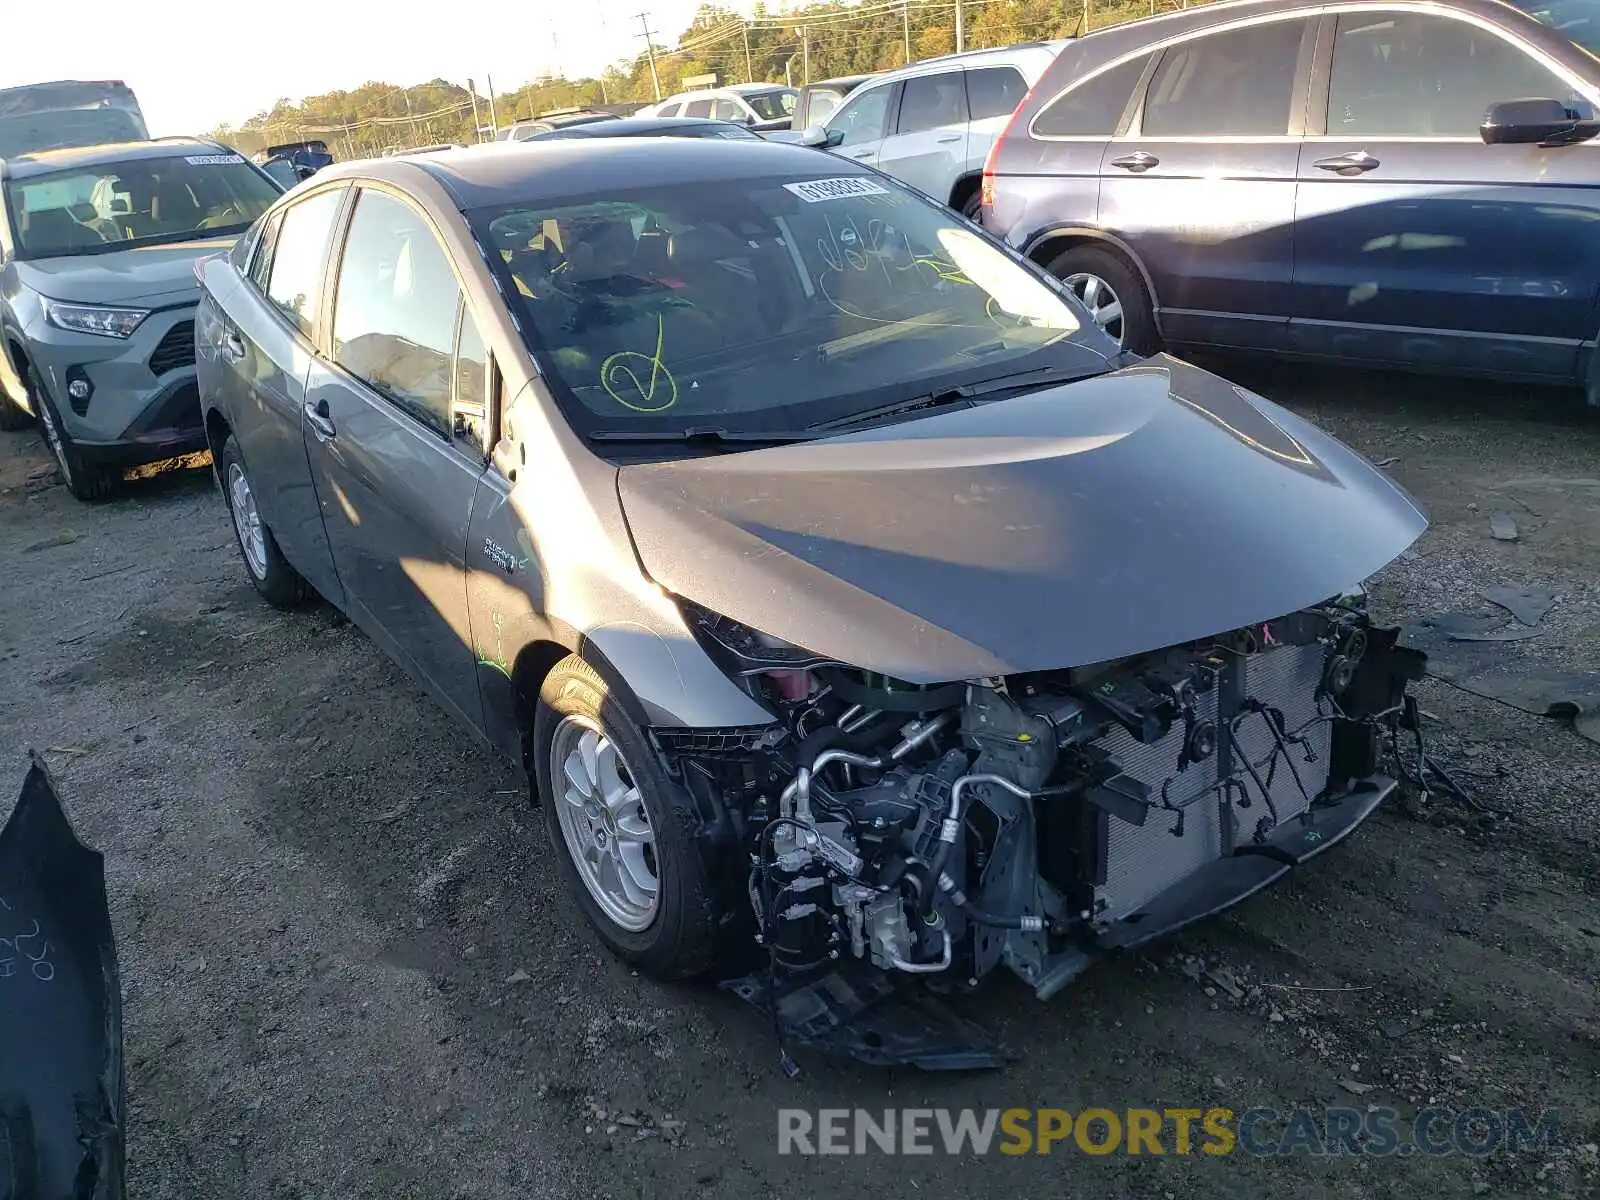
column 970, row 53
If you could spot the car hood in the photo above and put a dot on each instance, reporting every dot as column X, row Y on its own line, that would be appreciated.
column 141, row 273
column 1144, row 508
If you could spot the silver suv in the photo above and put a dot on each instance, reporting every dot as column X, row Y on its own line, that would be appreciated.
column 98, row 248
column 931, row 124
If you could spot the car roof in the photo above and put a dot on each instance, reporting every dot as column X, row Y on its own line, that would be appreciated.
column 839, row 81
column 42, row 161
column 1000, row 55
column 507, row 172
column 753, row 89
column 644, row 126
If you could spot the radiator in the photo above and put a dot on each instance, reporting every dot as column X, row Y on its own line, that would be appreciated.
column 1141, row 861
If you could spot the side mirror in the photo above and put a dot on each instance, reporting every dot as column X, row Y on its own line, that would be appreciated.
column 820, row 138
column 1537, row 123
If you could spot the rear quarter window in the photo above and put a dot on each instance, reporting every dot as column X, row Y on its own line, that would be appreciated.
column 994, row 91
column 1094, row 107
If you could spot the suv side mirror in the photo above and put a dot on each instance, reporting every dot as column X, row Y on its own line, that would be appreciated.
column 820, row 138
column 1537, row 122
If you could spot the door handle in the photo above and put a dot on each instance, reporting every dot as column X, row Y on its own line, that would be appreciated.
column 954, row 137
column 321, row 421
column 1139, row 160
column 232, row 344
column 1356, row 162
column 859, row 153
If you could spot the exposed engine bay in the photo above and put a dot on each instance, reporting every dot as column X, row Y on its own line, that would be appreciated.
column 890, row 832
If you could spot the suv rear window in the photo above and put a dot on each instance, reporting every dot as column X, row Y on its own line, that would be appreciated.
column 1238, row 83
column 1095, row 107
column 994, row 91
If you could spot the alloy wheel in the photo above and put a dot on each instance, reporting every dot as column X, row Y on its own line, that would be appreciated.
column 247, row 521
column 1102, row 301
column 53, row 439
column 604, row 822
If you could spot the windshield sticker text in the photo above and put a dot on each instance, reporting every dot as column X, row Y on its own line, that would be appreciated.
column 212, row 160
column 814, row 190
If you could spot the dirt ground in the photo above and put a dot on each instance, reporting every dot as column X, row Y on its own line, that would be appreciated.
column 351, row 969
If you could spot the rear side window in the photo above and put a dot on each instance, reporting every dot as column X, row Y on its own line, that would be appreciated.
column 994, row 91
column 1234, row 84
column 931, row 101
column 727, row 110
column 698, row 108
column 1095, row 107
column 670, row 110
column 394, row 318
column 296, row 256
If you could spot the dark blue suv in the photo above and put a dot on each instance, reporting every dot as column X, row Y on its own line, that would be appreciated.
column 1383, row 182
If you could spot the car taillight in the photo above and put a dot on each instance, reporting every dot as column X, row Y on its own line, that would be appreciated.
column 200, row 266
column 986, row 187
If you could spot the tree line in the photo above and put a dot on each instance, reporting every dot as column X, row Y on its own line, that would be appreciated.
column 814, row 41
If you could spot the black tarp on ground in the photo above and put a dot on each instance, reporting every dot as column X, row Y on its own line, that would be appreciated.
column 61, row 1075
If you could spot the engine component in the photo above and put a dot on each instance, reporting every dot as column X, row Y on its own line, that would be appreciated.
column 1035, row 821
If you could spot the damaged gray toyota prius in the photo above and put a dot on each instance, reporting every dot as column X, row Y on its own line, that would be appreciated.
column 864, row 621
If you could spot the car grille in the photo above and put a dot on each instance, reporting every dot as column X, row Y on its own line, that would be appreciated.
column 176, row 349
column 1141, row 861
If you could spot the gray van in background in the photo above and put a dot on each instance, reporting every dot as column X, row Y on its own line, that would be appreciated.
column 68, row 113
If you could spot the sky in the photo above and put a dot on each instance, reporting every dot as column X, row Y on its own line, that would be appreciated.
column 196, row 65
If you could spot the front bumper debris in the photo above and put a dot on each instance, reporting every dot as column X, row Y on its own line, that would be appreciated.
column 61, row 1071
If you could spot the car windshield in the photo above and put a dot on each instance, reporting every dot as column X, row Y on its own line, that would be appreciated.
column 773, row 106
column 770, row 303
column 1579, row 20
column 147, row 201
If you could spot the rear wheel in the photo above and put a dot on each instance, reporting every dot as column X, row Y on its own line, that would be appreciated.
column 88, row 481
column 622, row 831
column 279, row 584
column 1113, row 293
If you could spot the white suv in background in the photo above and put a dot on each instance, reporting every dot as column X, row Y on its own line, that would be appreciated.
column 931, row 124
column 761, row 106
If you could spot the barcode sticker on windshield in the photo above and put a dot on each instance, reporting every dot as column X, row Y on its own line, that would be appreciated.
column 814, row 190
column 212, row 160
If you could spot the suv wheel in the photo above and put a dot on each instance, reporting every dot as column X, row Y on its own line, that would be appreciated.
column 88, row 481
column 1113, row 294
column 622, row 830
column 279, row 584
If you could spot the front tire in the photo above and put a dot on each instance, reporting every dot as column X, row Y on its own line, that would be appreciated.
column 1113, row 293
column 622, row 831
column 88, row 481
column 279, row 584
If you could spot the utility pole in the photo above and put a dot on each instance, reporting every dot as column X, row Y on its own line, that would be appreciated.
column 477, row 126
column 960, row 39
column 805, row 56
column 749, row 71
column 407, row 93
column 650, row 49
column 905, row 23
column 494, row 121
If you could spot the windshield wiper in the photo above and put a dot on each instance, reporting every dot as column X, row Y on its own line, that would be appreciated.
column 963, row 394
column 699, row 434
